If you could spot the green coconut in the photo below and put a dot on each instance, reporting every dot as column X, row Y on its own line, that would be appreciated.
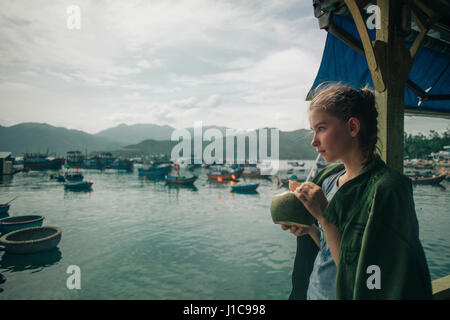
column 286, row 209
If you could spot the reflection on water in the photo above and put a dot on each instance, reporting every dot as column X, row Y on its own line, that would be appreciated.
column 439, row 186
column 36, row 261
column 177, row 188
column 6, row 179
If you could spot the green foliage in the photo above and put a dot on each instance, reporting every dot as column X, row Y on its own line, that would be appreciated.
column 420, row 146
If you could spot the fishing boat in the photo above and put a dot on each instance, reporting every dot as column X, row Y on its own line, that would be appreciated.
column 74, row 159
column 296, row 163
column 69, row 176
column 155, row 171
column 11, row 224
column 251, row 172
column 222, row 174
column 180, row 180
column 100, row 162
column 4, row 207
column 418, row 180
column 244, row 188
column 31, row 240
column 123, row 164
column 38, row 161
column 423, row 165
column 78, row 186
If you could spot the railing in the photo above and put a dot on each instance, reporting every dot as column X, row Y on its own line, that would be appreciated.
column 441, row 288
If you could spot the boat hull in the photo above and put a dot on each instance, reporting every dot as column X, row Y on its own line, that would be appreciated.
column 55, row 164
column 250, row 188
column 31, row 240
column 80, row 186
column 11, row 224
column 181, row 181
column 159, row 173
column 224, row 176
column 428, row 181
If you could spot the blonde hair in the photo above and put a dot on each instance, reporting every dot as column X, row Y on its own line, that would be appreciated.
column 344, row 102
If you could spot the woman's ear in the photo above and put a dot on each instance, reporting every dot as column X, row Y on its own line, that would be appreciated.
column 354, row 126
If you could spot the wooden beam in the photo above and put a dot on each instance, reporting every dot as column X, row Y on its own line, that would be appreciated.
column 417, row 42
column 426, row 113
column 356, row 45
column 377, row 77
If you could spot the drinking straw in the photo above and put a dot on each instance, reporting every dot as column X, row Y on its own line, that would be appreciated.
column 313, row 167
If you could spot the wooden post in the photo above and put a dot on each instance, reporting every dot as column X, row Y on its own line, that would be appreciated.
column 389, row 63
column 395, row 63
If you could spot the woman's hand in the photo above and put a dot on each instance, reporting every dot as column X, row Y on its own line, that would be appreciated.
column 299, row 230
column 313, row 198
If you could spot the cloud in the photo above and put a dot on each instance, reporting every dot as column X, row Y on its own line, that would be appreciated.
column 281, row 116
column 145, row 64
column 59, row 75
column 162, row 60
column 212, row 102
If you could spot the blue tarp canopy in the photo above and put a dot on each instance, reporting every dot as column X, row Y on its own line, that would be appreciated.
column 430, row 72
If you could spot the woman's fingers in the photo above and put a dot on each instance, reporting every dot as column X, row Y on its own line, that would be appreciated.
column 299, row 231
column 312, row 197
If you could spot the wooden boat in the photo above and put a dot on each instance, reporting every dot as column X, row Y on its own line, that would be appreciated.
column 428, row 180
column 123, row 164
column 423, row 166
column 37, row 161
column 75, row 159
column 100, row 162
column 93, row 163
column 4, row 207
column 10, row 224
column 244, row 188
column 180, row 180
column 156, row 171
column 71, row 177
column 78, row 186
column 31, row 240
column 296, row 163
column 251, row 173
column 223, row 174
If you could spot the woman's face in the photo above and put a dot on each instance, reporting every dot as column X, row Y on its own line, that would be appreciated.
column 331, row 136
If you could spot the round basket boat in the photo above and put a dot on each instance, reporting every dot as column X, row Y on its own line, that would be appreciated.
column 31, row 240
column 11, row 224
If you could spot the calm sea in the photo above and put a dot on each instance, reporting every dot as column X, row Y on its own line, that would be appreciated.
column 138, row 239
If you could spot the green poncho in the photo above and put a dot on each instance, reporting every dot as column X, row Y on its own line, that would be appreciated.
column 376, row 215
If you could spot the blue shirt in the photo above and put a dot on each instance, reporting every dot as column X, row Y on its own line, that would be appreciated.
column 322, row 282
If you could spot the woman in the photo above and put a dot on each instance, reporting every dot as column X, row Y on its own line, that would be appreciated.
column 369, row 225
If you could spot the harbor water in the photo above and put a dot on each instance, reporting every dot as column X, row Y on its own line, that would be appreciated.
column 138, row 239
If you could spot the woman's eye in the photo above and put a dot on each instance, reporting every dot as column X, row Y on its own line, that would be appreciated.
column 320, row 128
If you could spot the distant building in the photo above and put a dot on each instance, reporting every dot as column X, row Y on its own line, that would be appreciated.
column 6, row 163
column 443, row 155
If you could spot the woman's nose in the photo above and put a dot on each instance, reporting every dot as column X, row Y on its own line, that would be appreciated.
column 314, row 141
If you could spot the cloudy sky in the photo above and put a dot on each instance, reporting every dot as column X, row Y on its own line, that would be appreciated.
column 240, row 64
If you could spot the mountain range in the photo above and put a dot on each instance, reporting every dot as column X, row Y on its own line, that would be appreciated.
column 129, row 140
